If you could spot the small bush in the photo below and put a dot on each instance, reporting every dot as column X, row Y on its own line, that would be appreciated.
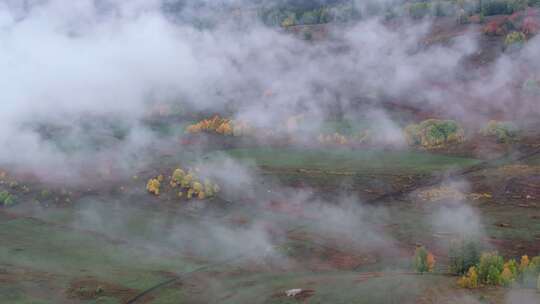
column 6, row 199
column 289, row 21
column 153, row 186
column 514, row 40
column 470, row 280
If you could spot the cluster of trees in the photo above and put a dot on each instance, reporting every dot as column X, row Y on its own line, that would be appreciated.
column 221, row 126
column 464, row 8
column 343, row 11
column 423, row 261
column 287, row 15
column 493, row 270
column 517, row 28
column 185, row 185
column 434, row 133
column 489, row 268
column 503, row 131
column 6, row 197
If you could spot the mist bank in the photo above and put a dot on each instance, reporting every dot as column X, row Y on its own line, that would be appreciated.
column 114, row 61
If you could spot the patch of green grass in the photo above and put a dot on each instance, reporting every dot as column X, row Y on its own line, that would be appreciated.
column 366, row 160
column 35, row 245
column 14, row 294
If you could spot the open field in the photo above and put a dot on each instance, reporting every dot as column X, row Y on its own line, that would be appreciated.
column 109, row 249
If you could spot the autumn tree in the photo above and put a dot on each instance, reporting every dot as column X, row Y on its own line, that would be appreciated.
column 514, row 40
column 507, row 276
column 153, row 186
column 524, row 263
column 177, row 177
column 470, row 280
column 424, row 261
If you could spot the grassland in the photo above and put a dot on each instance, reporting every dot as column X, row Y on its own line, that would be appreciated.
column 126, row 244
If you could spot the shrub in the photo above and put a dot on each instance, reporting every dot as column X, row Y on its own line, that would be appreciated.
column 434, row 133
column 153, row 186
column 289, row 21
column 6, row 198
column 503, row 131
column 470, row 280
column 514, row 40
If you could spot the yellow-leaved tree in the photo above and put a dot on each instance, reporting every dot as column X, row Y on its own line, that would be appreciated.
column 470, row 280
column 153, row 186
